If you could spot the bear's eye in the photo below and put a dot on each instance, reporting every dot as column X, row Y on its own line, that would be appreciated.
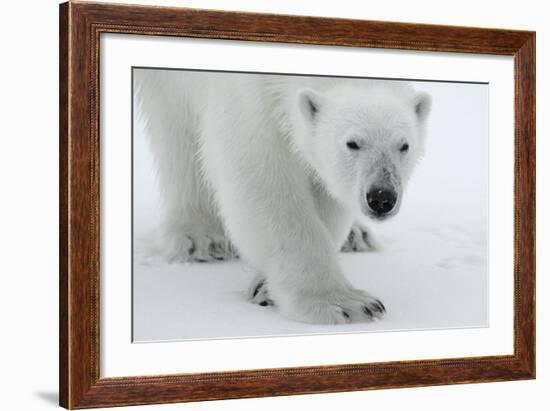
column 404, row 148
column 352, row 145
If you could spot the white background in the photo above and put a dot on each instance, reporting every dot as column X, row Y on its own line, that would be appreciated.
column 29, row 206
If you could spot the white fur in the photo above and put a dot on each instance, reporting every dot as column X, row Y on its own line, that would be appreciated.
column 262, row 161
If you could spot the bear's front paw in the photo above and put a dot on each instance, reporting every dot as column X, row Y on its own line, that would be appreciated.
column 360, row 239
column 336, row 307
column 189, row 246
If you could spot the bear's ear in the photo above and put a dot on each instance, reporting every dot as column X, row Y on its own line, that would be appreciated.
column 309, row 103
column 422, row 105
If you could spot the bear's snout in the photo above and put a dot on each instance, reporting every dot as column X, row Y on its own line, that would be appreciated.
column 381, row 200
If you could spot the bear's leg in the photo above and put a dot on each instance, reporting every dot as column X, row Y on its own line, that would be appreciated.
column 270, row 213
column 359, row 239
column 191, row 229
column 336, row 219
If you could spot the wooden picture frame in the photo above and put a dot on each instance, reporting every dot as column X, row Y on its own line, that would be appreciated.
column 80, row 27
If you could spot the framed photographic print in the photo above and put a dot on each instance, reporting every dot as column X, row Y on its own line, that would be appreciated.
column 259, row 205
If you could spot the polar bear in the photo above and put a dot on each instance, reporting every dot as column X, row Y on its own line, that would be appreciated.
column 278, row 168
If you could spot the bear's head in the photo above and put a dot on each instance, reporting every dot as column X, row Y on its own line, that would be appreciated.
column 362, row 142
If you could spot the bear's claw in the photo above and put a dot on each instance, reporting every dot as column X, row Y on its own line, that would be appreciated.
column 258, row 293
column 359, row 239
column 189, row 247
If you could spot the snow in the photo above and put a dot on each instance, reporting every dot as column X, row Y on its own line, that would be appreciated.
column 431, row 270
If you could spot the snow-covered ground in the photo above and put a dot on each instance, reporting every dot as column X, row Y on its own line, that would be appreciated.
column 431, row 271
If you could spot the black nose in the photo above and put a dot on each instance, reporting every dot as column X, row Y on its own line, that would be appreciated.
column 381, row 200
